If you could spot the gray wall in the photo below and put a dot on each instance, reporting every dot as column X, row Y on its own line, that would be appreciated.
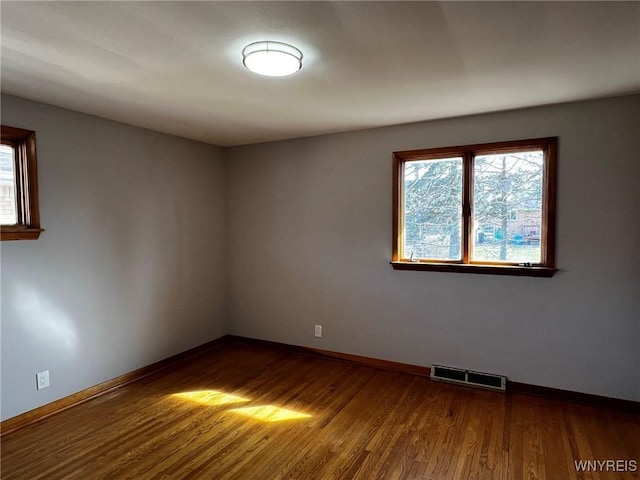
column 130, row 269
column 310, row 242
column 156, row 244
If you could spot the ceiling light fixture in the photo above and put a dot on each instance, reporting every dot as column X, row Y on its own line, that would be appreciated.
column 274, row 59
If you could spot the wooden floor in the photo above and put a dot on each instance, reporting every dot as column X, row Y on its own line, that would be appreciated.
column 249, row 412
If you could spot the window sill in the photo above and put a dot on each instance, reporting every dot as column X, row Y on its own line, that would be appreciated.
column 484, row 269
column 20, row 233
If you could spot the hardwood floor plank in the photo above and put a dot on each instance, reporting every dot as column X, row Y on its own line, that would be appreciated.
column 314, row 418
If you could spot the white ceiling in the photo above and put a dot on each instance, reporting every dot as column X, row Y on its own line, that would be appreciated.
column 176, row 67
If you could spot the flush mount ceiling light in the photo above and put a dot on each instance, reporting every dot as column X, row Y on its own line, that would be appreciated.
column 274, row 59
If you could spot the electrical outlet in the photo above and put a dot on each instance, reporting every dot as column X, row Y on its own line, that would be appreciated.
column 318, row 331
column 42, row 380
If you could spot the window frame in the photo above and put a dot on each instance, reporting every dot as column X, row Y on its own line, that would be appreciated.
column 23, row 143
column 546, row 267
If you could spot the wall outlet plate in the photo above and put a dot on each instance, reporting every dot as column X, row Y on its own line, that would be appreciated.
column 318, row 331
column 42, row 380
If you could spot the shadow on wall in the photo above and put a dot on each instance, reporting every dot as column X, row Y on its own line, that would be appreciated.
column 43, row 320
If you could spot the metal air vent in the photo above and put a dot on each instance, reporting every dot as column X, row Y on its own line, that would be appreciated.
column 468, row 377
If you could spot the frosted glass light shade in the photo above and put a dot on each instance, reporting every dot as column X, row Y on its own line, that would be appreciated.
column 274, row 59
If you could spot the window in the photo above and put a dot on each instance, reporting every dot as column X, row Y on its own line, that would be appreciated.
column 19, row 215
column 486, row 208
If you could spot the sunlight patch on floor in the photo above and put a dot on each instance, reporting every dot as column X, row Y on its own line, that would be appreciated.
column 270, row 413
column 210, row 397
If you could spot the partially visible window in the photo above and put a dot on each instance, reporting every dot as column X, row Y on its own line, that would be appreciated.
column 486, row 208
column 19, row 214
column 8, row 212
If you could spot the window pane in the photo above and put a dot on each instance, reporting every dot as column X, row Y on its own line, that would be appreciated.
column 433, row 209
column 8, row 214
column 507, row 196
